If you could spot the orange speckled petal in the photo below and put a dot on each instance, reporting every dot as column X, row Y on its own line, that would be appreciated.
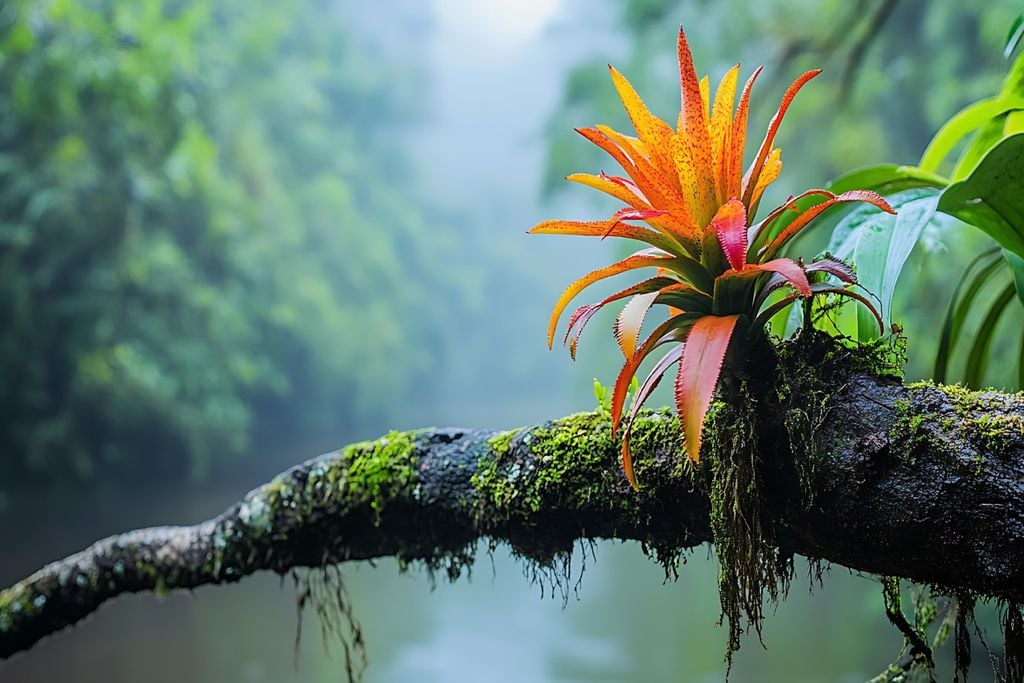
column 606, row 229
column 631, row 263
column 654, row 133
column 608, row 186
column 705, row 95
column 750, row 181
column 771, row 171
column 720, row 126
column 738, row 139
column 694, row 118
column 679, row 147
column 609, row 146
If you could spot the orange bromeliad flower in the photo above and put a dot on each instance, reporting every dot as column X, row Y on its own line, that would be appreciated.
column 715, row 270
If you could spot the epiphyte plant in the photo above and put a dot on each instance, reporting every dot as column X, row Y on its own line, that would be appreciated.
column 719, row 274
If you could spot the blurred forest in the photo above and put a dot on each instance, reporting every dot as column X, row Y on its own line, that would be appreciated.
column 234, row 233
column 209, row 235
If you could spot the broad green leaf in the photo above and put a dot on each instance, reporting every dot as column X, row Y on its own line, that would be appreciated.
column 984, row 139
column 991, row 197
column 1014, row 123
column 968, row 120
column 878, row 245
column 810, row 215
column 1020, row 365
column 885, row 179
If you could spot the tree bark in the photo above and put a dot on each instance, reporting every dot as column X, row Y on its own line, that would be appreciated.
column 922, row 482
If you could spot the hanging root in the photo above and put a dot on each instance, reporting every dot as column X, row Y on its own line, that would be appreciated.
column 915, row 660
column 962, row 638
column 751, row 566
column 1013, row 643
column 324, row 588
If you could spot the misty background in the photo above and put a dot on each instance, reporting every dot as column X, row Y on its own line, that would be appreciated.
column 235, row 234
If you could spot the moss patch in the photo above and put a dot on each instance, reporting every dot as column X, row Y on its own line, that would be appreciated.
column 534, row 470
column 985, row 421
column 369, row 473
column 381, row 470
column 500, row 442
column 533, row 483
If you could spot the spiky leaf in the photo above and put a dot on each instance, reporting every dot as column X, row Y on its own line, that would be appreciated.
column 701, row 364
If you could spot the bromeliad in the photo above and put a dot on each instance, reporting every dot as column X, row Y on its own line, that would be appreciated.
column 718, row 273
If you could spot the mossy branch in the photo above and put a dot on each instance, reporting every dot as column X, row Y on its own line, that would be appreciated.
column 921, row 482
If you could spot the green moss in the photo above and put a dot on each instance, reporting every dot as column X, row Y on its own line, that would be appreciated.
column 536, row 484
column 499, row 443
column 6, row 618
column 554, row 466
column 909, row 430
column 368, row 473
column 146, row 570
column 381, row 470
column 978, row 417
column 996, row 434
column 784, row 390
column 751, row 568
column 572, row 463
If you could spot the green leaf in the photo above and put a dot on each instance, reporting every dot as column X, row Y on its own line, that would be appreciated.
column 1014, row 83
column 885, row 179
column 878, row 245
column 1020, row 365
column 1016, row 264
column 977, row 359
column 968, row 120
column 961, row 304
column 991, row 197
column 1013, row 36
column 984, row 139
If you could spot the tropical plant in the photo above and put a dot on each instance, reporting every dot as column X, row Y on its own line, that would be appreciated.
column 718, row 271
column 980, row 148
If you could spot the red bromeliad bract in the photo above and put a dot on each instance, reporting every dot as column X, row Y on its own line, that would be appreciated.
column 689, row 200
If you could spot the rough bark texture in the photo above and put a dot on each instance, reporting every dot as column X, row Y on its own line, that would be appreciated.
column 921, row 482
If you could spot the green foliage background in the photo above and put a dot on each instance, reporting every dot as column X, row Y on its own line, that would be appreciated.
column 207, row 234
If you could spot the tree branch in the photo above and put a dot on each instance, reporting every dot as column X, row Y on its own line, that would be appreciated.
column 921, row 482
